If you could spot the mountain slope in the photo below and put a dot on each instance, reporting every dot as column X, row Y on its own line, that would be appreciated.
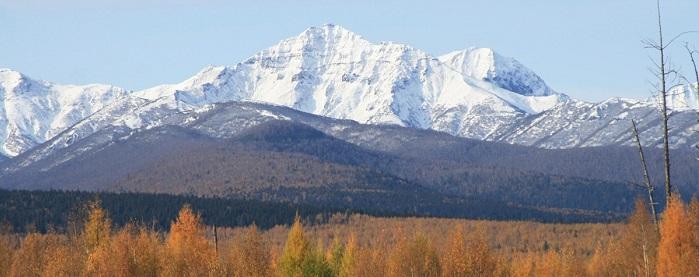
column 272, row 152
column 34, row 111
column 580, row 124
column 226, row 121
column 298, row 160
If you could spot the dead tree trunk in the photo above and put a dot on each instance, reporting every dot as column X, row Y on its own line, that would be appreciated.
column 663, row 100
column 646, row 177
column 696, row 71
column 696, row 79
column 215, row 239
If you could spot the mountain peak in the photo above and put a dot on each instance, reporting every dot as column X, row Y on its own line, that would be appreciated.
column 329, row 29
column 508, row 73
column 326, row 35
column 683, row 97
column 9, row 77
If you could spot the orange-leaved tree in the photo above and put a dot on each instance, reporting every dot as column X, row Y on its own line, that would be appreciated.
column 187, row 252
column 468, row 256
column 677, row 252
column 413, row 257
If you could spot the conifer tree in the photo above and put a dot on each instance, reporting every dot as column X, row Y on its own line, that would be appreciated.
column 335, row 256
column 348, row 263
column 31, row 257
column 187, row 251
column 468, row 257
column 63, row 260
column 549, row 265
column 315, row 264
column 146, row 253
column 113, row 258
column 97, row 227
column 250, row 257
column 296, row 251
column 413, row 257
column 677, row 252
column 454, row 258
column 524, row 265
column 639, row 242
column 6, row 252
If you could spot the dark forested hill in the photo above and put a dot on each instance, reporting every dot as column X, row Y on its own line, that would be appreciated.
column 261, row 152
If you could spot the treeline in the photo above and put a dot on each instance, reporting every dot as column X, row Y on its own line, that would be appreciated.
column 95, row 248
column 43, row 211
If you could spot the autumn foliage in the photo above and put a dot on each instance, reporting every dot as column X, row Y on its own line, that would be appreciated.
column 189, row 248
column 678, row 250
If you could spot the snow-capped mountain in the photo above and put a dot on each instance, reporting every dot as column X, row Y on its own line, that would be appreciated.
column 333, row 72
column 486, row 65
column 330, row 71
column 683, row 97
column 34, row 111
column 583, row 124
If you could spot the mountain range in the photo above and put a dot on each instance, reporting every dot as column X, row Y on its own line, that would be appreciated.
column 259, row 151
column 331, row 119
column 330, row 71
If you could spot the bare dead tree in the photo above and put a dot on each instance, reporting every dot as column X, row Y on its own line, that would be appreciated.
column 694, row 64
column 646, row 177
column 691, row 53
column 663, row 74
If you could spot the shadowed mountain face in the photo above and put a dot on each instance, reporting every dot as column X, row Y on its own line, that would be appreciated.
column 272, row 153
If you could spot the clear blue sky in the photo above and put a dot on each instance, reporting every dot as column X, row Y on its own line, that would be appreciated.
column 589, row 49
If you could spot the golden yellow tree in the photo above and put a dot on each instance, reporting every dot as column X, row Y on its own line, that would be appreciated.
column 524, row 265
column 693, row 214
column 96, row 228
column 146, row 248
column 250, row 255
column 112, row 258
column 335, row 256
column 454, row 259
column 31, row 258
column 677, row 255
column 602, row 263
column 348, row 263
column 301, row 258
column 6, row 252
column 366, row 261
column 64, row 260
column 549, row 265
column 634, row 253
column 187, row 252
column 296, row 251
column 571, row 264
column 639, row 243
column 413, row 257
column 468, row 257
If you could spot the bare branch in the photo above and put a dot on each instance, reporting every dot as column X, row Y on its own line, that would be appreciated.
column 678, row 36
